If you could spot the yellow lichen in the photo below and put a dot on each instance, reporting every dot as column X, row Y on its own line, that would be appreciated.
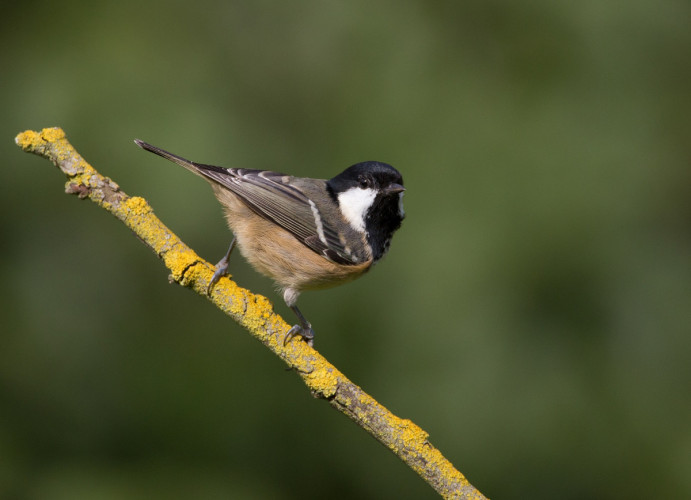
column 26, row 139
column 257, row 305
column 323, row 379
column 137, row 206
column 411, row 434
column 179, row 263
column 30, row 140
column 52, row 134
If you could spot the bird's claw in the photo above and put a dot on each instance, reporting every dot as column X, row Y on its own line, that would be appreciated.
column 221, row 270
column 305, row 333
column 221, row 267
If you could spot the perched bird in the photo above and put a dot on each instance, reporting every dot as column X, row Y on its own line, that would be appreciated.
column 305, row 234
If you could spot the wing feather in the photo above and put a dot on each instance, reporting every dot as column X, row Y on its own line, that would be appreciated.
column 272, row 196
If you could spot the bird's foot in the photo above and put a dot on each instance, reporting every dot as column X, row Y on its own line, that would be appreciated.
column 221, row 268
column 305, row 333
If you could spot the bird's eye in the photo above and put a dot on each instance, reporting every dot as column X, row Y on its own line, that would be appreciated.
column 364, row 181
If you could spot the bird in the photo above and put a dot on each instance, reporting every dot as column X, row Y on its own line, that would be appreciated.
column 304, row 233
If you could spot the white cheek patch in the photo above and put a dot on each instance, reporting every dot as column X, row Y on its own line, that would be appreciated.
column 401, row 212
column 354, row 204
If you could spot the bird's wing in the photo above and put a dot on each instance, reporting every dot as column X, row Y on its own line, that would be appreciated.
column 273, row 196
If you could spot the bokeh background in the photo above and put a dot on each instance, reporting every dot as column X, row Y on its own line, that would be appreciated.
column 534, row 314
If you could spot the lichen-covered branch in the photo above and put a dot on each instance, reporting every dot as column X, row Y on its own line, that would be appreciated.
column 253, row 312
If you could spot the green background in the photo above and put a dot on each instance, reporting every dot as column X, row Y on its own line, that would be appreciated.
column 533, row 315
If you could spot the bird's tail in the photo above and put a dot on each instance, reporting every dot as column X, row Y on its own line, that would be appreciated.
column 189, row 165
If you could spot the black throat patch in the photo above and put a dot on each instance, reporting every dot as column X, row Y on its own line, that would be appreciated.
column 382, row 220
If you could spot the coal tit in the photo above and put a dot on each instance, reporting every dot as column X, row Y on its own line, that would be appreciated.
column 305, row 234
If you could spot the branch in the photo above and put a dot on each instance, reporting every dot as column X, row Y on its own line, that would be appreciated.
column 254, row 312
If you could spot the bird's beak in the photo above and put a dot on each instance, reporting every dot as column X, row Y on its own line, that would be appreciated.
column 394, row 188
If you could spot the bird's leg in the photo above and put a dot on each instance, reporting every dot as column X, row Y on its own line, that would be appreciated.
column 303, row 328
column 221, row 267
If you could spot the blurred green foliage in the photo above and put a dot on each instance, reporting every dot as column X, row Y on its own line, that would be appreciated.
column 534, row 312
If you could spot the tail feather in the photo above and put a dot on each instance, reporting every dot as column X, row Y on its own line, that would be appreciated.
column 189, row 165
